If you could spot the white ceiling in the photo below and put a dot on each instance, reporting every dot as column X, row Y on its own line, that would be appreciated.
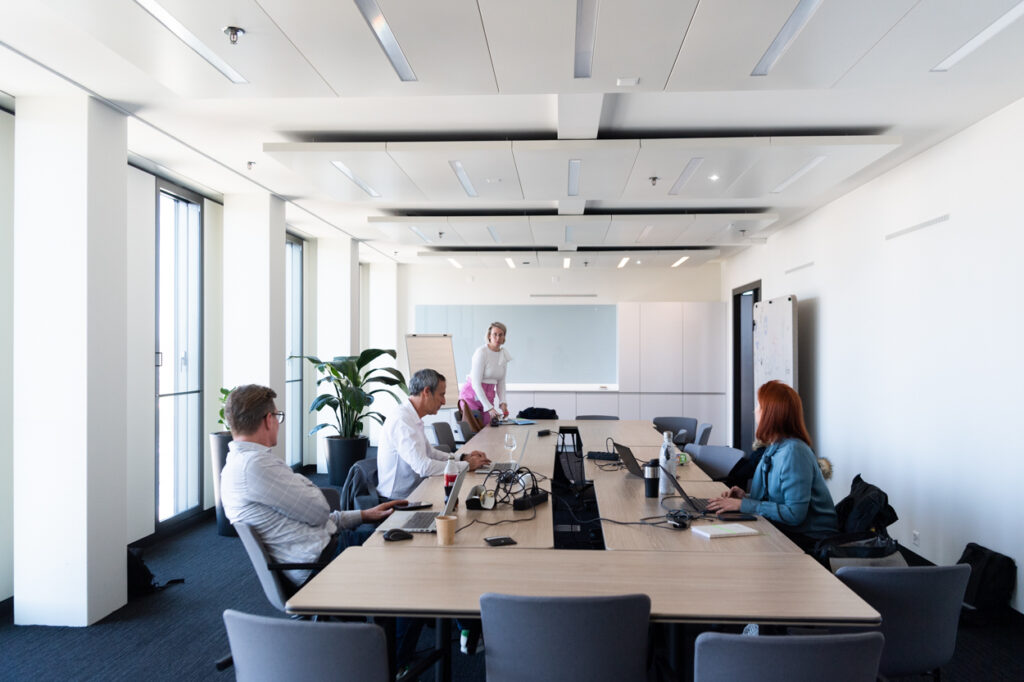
column 852, row 97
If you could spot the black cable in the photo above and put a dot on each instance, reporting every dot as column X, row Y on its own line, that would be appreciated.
column 643, row 522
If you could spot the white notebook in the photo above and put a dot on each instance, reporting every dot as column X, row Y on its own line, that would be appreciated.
column 723, row 530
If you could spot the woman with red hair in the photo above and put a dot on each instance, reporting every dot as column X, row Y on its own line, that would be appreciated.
column 788, row 488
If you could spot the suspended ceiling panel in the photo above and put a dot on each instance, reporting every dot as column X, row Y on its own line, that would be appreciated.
column 604, row 167
column 496, row 230
column 368, row 161
column 489, row 166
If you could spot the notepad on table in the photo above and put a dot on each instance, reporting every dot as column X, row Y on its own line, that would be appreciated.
column 724, row 530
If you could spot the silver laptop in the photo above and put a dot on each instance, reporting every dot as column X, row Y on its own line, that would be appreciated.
column 423, row 521
column 507, row 466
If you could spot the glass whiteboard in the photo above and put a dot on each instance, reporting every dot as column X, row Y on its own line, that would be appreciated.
column 549, row 344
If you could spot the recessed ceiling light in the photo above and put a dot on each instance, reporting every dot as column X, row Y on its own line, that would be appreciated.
column 643, row 234
column 511, row 263
column 622, row 263
column 574, row 177
column 586, row 36
column 494, row 234
column 805, row 9
column 566, row 262
column 977, row 41
column 713, row 177
column 352, row 176
column 691, row 167
column 627, row 82
column 455, row 263
column 460, row 173
column 680, row 261
column 639, row 262
column 806, row 168
column 386, row 37
column 186, row 36
column 416, row 231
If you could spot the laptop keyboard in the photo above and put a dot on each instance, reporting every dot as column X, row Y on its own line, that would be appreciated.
column 700, row 504
column 420, row 520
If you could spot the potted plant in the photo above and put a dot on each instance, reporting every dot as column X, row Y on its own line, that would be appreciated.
column 351, row 386
column 218, row 456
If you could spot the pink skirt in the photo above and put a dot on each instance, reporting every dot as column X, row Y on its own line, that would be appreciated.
column 469, row 395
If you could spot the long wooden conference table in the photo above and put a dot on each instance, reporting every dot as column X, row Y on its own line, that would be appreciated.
column 761, row 578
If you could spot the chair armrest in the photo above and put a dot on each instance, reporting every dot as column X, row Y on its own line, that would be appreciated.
column 296, row 566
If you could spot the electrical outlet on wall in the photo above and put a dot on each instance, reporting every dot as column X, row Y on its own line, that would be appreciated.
column 916, row 538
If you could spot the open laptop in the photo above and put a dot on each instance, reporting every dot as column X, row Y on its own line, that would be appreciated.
column 423, row 521
column 507, row 466
column 695, row 504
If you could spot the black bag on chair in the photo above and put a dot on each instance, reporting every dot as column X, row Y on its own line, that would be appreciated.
column 866, row 508
column 537, row 413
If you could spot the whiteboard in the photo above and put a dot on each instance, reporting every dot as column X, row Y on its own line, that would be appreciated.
column 549, row 344
column 434, row 351
column 775, row 341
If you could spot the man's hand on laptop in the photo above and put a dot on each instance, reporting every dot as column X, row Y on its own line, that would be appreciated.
column 476, row 459
column 381, row 511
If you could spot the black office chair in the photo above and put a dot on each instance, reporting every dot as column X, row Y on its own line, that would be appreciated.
column 597, row 639
column 595, row 417
column 274, row 649
column 719, row 657
column 675, row 425
column 716, row 460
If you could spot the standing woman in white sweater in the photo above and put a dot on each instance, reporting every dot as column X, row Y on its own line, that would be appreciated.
column 484, row 389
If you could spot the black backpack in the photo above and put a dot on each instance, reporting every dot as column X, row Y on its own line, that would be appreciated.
column 140, row 579
column 993, row 578
column 537, row 413
column 865, row 509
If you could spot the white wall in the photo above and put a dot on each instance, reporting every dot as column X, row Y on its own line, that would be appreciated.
column 213, row 332
column 6, row 357
column 141, row 334
column 910, row 363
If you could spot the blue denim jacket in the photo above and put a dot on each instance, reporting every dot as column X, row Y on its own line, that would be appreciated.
column 788, row 488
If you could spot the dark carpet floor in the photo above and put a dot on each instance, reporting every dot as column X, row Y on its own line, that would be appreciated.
column 177, row 634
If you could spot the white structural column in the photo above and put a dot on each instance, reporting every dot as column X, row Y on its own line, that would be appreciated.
column 6, row 365
column 254, row 288
column 69, row 341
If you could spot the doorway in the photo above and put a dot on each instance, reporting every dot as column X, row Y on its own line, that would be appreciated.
column 743, row 300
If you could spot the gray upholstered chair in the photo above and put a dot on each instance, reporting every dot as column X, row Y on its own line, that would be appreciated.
column 281, row 649
column 703, row 434
column 276, row 585
column 444, row 435
column 920, row 607
column 719, row 657
column 716, row 460
column 675, row 425
column 565, row 638
column 595, row 417
column 466, row 429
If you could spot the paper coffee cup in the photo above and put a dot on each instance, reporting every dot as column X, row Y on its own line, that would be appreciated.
column 446, row 530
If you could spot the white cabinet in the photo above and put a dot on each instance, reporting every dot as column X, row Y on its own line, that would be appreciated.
column 661, row 348
column 661, row 405
column 597, row 403
column 629, row 346
column 704, row 348
column 709, row 408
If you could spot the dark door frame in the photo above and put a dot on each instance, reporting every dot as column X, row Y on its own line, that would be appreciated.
column 737, row 359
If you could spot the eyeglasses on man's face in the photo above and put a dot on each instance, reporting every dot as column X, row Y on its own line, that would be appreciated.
column 279, row 416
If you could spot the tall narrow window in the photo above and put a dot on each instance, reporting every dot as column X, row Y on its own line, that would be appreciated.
column 294, row 429
column 178, row 353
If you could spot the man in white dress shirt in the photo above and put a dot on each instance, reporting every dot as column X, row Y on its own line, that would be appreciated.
column 404, row 454
column 286, row 510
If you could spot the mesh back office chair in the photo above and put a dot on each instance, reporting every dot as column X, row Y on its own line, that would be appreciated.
column 920, row 607
column 597, row 639
column 703, row 434
column 274, row 649
column 720, row 657
column 675, row 425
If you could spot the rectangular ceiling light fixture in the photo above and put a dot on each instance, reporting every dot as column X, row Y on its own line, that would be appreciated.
column 386, row 37
column 977, row 41
column 359, row 183
column 805, row 9
column 680, row 261
column 586, row 37
column 691, row 167
column 460, row 173
column 416, row 231
column 566, row 262
column 646, row 231
column 574, row 177
column 511, row 263
column 494, row 234
column 622, row 263
column 456, row 264
column 186, row 36
column 804, row 170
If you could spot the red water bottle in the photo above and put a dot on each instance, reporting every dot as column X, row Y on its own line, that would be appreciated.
column 451, row 472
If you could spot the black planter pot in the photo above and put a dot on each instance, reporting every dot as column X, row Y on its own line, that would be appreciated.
column 218, row 456
column 342, row 453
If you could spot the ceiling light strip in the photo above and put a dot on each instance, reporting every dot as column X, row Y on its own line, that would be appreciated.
column 622, row 263
column 511, row 263
column 919, row 226
column 680, row 261
column 586, row 38
column 977, row 41
column 464, row 180
column 494, row 234
column 566, row 263
column 416, row 231
column 804, row 170
column 386, row 37
column 186, row 36
column 352, row 176
column 790, row 30
column 643, row 234
column 574, row 177
column 456, row 264
column 691, row 167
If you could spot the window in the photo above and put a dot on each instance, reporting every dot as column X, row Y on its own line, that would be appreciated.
column 178, row 353
column 294, row 408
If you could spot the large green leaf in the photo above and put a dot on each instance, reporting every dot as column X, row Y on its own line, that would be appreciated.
column 371, row 354
column 322, row 426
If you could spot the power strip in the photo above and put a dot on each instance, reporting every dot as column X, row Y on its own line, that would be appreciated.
column 606, row 456
column 530, row 501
